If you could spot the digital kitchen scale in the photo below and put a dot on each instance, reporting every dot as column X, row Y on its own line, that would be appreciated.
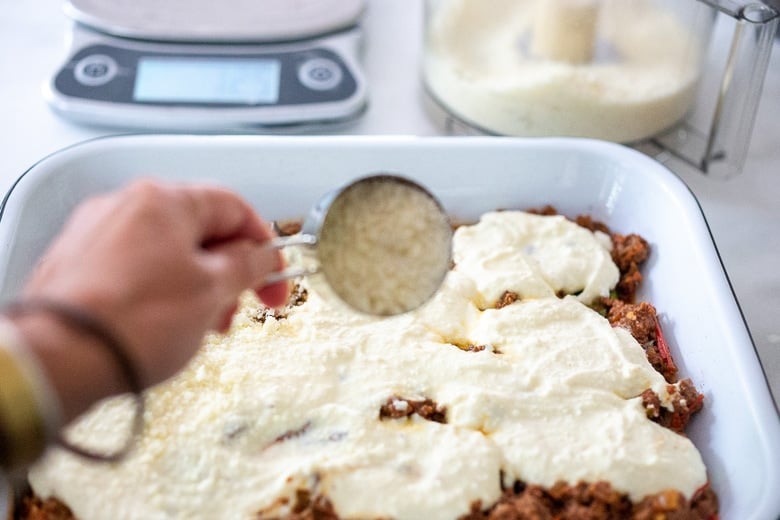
column 198, row 65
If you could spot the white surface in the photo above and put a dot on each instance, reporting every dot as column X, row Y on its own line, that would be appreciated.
column 738, row 432
column 204, row 20
column 743, row 213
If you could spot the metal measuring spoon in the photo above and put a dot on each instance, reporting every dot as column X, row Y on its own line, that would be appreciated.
column 382, row 244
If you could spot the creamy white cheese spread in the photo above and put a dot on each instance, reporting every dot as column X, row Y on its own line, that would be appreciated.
column 294, row 403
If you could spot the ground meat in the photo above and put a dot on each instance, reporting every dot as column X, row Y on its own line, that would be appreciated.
column 292, row 434
column 672, row 505
column 598, row 501
column 305, row 507
column 652, row 404
column 705, row 503
column 638, row 318
column 685, row 400
column 298, row 296
column 641, row 320
column 397, row 408
column 34, row 508
column 628, row 284
column 546, row 211
column 507, row 298
column 629, row 252
column 655, row 359
column 587, row 222
column 579, row 502
column 263, row 313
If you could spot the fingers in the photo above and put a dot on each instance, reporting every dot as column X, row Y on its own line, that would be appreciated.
column 223, row 215
column 227, row 318
column 243, row 264
column 211, row 213
column 220, row 214
column 274, row 295
column 226, row 231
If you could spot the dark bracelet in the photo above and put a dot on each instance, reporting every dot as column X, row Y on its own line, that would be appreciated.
column 85, row 322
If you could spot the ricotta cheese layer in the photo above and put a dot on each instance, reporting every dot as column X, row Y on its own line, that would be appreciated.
column 293, row 403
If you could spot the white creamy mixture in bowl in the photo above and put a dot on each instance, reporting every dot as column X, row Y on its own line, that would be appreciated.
column 482, row 63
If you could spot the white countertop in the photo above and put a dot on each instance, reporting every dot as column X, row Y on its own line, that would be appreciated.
column 743, row 212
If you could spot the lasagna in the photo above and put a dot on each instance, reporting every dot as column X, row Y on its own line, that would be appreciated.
column 530, row 386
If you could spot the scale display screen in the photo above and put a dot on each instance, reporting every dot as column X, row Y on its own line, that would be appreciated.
column 248, row 81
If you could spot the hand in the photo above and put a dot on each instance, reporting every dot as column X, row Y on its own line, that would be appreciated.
column 160, row 265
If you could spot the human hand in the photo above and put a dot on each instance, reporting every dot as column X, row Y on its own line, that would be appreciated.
column 159, row 265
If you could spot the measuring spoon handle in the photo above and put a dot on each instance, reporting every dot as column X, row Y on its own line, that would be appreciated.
column 288, row 274
column 301, row 239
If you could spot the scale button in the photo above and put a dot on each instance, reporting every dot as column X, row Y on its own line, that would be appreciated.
column 320, row 74
column 95, row 70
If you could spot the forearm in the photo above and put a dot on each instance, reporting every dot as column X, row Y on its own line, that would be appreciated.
column 74, row 363
column 122, row 301
column 50, row 372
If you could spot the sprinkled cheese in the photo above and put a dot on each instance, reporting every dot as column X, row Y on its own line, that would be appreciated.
column 384, row 247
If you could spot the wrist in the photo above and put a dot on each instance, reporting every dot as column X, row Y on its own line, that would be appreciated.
column 30, row 412
column 74, row 363
column 65, row 338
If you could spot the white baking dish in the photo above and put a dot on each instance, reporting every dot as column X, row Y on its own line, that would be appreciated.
column 738, row 432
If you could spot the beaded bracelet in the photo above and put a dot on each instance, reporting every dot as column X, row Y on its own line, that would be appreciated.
column 85, row 322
